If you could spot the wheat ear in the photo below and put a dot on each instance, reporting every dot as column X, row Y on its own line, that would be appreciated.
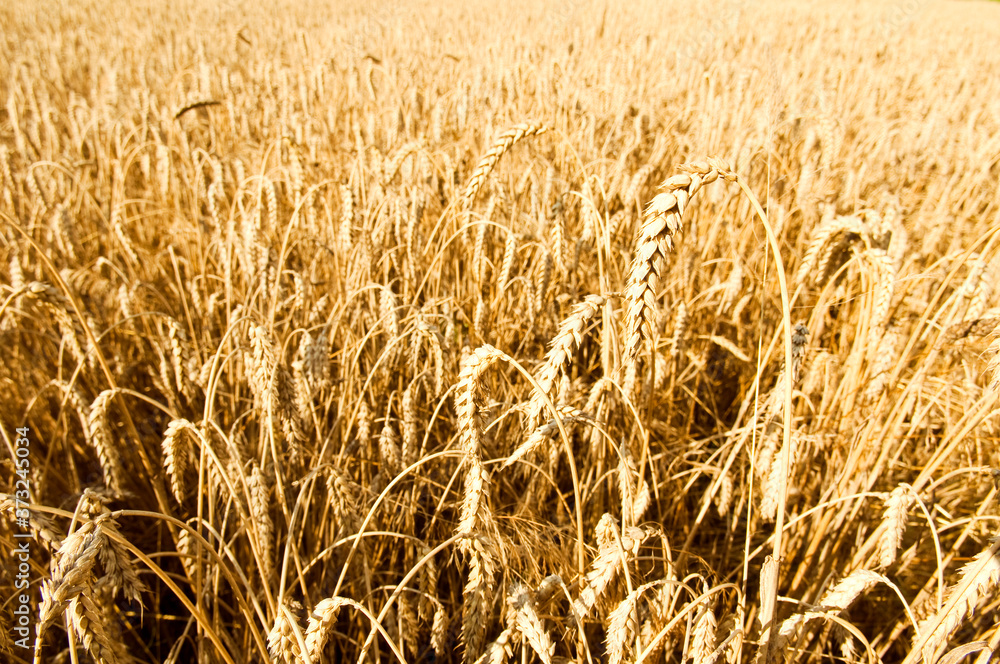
column 661, row 222
column 977, row 581
column 501, row 145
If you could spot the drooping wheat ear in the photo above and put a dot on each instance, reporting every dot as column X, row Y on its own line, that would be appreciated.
column 271, row 199
column 976, row 584
column 42, row 528
column 897, row 504
column 72, row 573
column 100, row 437
column 732, row 287
column 631, row 195
column 477, row 596
column 564, row 345
column 662, row 221
column 993, row 366
column 523, row 617
column 409, row 430
column 622, row 625
column 320, row 627
column 437, row 342
column 87, row 622
column 558, row 243
column 885, row 282
column 544, row 281
column 500, row 650
column 74, row 564
column 315, row 364
column 476, row 524
column 837, row 599
column 885, row 358
column 567, row 415
column 507, row 263
column 260, row 513
column 501, row 145
column 344, row 235
column 632, row 488
column 364, row 435
column 439, row 632
column 772, row 402
column 476, row 516
column 481, row 319
column 56, row 304
column 177, row 453
column 283, row 644
column 180, row 357
column 389, row 312
column 833, row 236
column 273, row 387
column 607, row 563
column 118, row 226
column 388, row 448
column 479, row 248
column 703, row 639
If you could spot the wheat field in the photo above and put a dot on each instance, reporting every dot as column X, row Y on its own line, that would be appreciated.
column 538, row 332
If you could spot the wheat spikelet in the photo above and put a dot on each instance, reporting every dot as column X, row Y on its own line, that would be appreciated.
column 884, row 286
column 886, row 354
column 837, row 599
column 476, row 516
column 321, row 623
column 703, row 639
column 993, row 366
column 635, row 185
column 623, row 624
column 283, row 644
column 388, row 447
column 480, row 319
column 117, row 225
column 389, row 312
column 774, row 482
column 56, row 303
column 567, row 415
column 180, row 357
column 439, row 632
column 42, row 528
column 662, row 221
column 632, row 489
column 408, row 451
column 100, row 437
column 488, row 162
column 507, row 262
column 977, row 581
column 260, row 512
column 832, row 237
column 607, row 563
column 561, row 350
column 680, row 329
column 523, row 614
column 499, row 650
column 477, row 596
column 73, row 572
column 894, row 524
column 177, row 453
column 87, row 622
